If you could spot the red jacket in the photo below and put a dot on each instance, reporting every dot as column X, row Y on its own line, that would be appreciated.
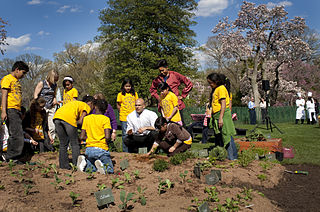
column 174, row 81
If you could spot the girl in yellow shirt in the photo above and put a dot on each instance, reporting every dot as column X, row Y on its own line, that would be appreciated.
column 69, row 92
column 222, row 121
column 126, row 100
column 169, row 104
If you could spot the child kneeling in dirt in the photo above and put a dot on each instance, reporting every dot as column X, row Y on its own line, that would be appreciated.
column 96, row 131
column 173, row 138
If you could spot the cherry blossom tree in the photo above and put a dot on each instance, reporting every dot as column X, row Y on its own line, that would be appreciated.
column 3, row 35
column 260, row 35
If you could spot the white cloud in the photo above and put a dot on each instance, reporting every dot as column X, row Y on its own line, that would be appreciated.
column 210, row 7
column 63, row 9
column 201, row 58
column 91, row 11
column 32, row 48
column 42, row 33
column 33, row 2
column 75, row 9
column 282, row 3
column 16, row 44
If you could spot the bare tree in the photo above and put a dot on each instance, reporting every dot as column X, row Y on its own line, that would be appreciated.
column 3, row 35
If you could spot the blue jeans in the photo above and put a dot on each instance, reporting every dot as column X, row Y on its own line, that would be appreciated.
column 124, row 135
column 232, row 150
column 96, row 153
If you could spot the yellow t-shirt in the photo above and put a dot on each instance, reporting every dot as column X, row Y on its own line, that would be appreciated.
column 127, row 104
column 69, row 95
column 38, row 125
column 168, row 103
column 94, row 125
column 71, row 112
column 219, row 93
column 14, row 91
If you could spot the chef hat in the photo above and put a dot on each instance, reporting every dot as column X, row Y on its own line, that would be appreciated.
column 309, row 94
column 299, row 94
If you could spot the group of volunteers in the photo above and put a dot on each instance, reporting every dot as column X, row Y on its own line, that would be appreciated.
column 49, row 114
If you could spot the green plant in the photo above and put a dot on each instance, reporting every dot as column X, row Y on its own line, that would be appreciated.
column 136, row 174
column 231, row 204
column 212, row 194
column 246, row 157
column 70, row 180
column 74, row 197
column 197, row 204
column 73, row 168
column 265, row 165
column 141, row 198
column 183, row 175
column 54, row 168
column 204, row 165
column 45, row 171
column 2, row 187
column 127, row 177
column 180, row 157
column 27, row 188
column 160, row 165
column 255, row 135
column 11, row 164
column 117, row 183
column 218, row 153
column 164, row 185
column 262, row 177
column 101, row 186
column 125, row 198
column 90, row 175
column 20, row 176
column 57, row 182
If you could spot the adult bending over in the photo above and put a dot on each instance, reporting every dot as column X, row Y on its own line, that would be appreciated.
column 140, row 127
column 172, row 138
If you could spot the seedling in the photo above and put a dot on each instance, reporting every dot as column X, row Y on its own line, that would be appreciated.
column 2, row 187
column 183, row 176
column 262, row 177
column 136, row 174
column 74, row 197
column 27, row 188
column 45, row 171
column 248, row 193
column 117, row 183
column 141, row 197
column 73, row 168
column 128, row 178
column 57, row 182
column 125, row 198
column 101, row 186
column 20, row 176
column 212, row 194
column 54, row 168
column 197, row 202
column 265, row 165
column 164, row 185
column 90, row 174
column 70, row 180
column 11, row 164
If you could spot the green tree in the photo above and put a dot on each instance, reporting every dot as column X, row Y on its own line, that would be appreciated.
column 137, row 33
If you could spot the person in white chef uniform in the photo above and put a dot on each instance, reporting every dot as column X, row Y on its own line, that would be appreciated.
column 311, row 109
column 300, row 114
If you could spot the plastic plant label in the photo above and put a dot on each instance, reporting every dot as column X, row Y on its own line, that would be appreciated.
column 143, row 150
column 212, row 179
column 104, row 197
column 204, row 207
column 217, row 172
column 203, row 153
column 197, row 170
column 124, row 164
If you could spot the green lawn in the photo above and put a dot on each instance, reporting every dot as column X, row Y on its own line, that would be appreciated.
column 304, row 138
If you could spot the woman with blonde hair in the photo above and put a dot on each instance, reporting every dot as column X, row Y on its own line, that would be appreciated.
column 47, row 89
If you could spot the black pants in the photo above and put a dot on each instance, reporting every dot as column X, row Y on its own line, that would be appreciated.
column 134, row 142
column 67, row 134
column 166, row 146
column 45, row 145
column 263, row 114
column 16, row 139
column 253, row 118
column 205, row 130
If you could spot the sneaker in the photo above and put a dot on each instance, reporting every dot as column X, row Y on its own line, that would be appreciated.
column 100, row 167
column 81, row 164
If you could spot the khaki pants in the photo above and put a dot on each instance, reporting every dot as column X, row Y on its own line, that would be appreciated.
column 50, row 114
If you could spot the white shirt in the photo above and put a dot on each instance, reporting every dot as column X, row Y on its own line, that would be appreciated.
column 136, row 121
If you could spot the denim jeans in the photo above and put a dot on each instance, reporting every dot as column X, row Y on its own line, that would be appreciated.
column 16, row 138
column 67, row 134
column 96, row 153
column 124, row 134
column 232, row 150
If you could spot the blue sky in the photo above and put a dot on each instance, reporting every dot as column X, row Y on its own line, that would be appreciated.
column 43, row 26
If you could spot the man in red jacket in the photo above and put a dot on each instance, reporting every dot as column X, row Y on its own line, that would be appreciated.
column 174, row 80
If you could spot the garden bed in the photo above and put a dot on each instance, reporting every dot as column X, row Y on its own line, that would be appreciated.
column 271, row 144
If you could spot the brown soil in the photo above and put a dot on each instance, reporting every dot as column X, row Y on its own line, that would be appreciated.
column 282, row 191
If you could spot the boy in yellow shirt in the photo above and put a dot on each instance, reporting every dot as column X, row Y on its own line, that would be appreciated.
column 11, row 109
column 96, row 131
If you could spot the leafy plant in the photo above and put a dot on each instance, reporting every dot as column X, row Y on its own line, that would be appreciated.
column 265, row 165
column 136, row 174
column 127, row 177
column 117, row 183
column 180, row 157
column 70, row 180
column 183, row 175
column 247, row 193
column 54, row 168
column 160, row 165
column 74, row 197
column 212, row 194
column 164, row 185
column 246, row 157
column 125, row 198
column 57, row 182
column 45, row 171
column 262, row 177
column 11, row 164
column 2, row 187
column 101, row 186
column 90, row 175
column 27, row 188
column 141, row 198
column 73, row 168
column 218, row 153
column 255, row 135
column 232, row 204
column 197, row 204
